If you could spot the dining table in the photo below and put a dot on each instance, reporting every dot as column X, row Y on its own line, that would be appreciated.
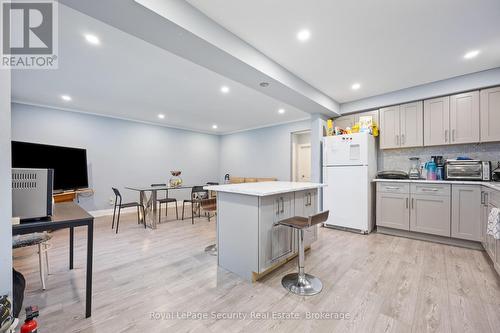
column 148, row 196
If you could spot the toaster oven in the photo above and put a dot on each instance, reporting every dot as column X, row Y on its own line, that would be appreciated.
column 467, row 170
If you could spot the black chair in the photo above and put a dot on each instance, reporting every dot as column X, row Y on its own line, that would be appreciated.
column 120, row 205
column 166, row 201
column 197, row 194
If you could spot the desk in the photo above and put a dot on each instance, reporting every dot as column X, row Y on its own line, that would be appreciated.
column 151, row 204
column 67, row 215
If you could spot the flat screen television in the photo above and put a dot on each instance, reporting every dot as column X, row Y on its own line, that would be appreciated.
column 69, row 164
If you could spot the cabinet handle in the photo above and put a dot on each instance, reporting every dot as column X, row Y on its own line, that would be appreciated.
column 446, row 136
column 412, row 203
column 282, row 205
column 278, row 209
column 392, row 188
column 403, row 139
column 397, row 140
column 486, row 198
column 453, row 135
column 430, row 190
column 482, row 198
column 406, row 203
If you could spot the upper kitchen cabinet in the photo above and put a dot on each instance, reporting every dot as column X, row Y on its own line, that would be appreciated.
column 437, row 121
column 401, row 126
column 373, row 114
column 390, row 129
column 490, row 114
column 464, row 118
column 412, row 125
column 344, row 121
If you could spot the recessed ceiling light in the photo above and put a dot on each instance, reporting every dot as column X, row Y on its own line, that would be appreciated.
column 224, row 89
column 471, row 54
column 66, row 98
column 264, row 84
column 303, row 35
column 92, row 39
column 281, row 111
column 356, row 86
column 161, row 116
column 215, row 126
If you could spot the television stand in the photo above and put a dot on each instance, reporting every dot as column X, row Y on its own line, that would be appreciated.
column 69, row 196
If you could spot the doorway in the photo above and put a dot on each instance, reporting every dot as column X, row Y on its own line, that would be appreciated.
column 301, row 156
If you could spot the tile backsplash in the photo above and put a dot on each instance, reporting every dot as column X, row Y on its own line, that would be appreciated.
column 397, row 159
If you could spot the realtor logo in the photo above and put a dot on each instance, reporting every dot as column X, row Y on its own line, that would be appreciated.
column 29, row 34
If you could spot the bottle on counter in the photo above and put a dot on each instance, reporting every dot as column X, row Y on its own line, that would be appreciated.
column 431, row 169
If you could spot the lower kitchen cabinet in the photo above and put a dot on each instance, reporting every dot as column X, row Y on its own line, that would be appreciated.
column 306, row 204
column 393, row 210
column 466, row 212
column 492, row 246
column 430, row 214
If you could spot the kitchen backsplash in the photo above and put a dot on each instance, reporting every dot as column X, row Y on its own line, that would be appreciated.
column 397, row 159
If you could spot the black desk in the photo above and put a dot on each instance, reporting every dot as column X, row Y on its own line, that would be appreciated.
column 67, row 215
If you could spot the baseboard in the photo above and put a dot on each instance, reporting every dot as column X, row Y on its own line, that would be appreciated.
column 430, row 238
column 109, row 212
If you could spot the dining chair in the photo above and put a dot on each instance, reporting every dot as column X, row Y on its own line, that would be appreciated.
column 197, row 194
column 165, row 201
column 119, row 204
column 38, row 238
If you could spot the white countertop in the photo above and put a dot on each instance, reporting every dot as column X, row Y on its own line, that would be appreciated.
column 493, row 185
column 263, row 189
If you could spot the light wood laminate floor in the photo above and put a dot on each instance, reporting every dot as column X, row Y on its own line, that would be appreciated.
column 382, row 283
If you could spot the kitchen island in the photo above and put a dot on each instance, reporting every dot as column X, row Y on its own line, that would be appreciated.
column 250, row 241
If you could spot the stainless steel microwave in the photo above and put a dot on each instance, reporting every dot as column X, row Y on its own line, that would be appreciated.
column 467, row 170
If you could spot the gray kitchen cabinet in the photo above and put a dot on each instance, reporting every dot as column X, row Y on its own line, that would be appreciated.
column 306, row 204
column 344, row 121
column 464, row 117
column 490, row 114
column 484, row 215
column 411, row 122
column 372, row 113
column 437, row 121
column 466, row 212
column 430, row 213
column 393, row 210
column 390, row 127
column 276, row 240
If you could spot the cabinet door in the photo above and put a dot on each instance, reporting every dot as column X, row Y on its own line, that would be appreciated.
column 437, row 121
column 430, row 214
column 490, row 114
column 393, row 210
column 373, row 114
column 466, row 212
column 484, row 216
column 282, row 236
column 464, row 117
column 344, row 121
column 306, row 205
column 389, row 127
column 412, row 127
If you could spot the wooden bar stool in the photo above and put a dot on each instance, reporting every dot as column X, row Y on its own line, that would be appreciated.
column 301, row 283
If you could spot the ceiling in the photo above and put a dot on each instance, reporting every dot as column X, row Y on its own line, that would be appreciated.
column 126, row 77
column 384, row 45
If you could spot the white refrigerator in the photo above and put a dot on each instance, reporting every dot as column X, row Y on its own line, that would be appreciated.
column 349, row 166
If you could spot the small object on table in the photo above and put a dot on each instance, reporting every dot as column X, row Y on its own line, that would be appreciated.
column 175, row 180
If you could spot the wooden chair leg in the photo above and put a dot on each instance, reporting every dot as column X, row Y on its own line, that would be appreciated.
column 118, row 219
column 159, row 213
column 176, row 211
column 138, row 216
column 144, row 216
column 183, row 203
column 192, row 212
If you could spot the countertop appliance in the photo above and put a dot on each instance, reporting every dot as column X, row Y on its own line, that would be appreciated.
column 414, row 172
column 32, row 191
column 467, row 170
column 349, row 166
column 392, row 174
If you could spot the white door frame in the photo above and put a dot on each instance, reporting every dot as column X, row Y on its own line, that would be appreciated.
column 293, row 152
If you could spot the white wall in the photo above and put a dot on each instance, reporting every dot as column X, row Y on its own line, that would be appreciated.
column 264, row 152
column 5, row 186
column 439, row 88
column 121, row 153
